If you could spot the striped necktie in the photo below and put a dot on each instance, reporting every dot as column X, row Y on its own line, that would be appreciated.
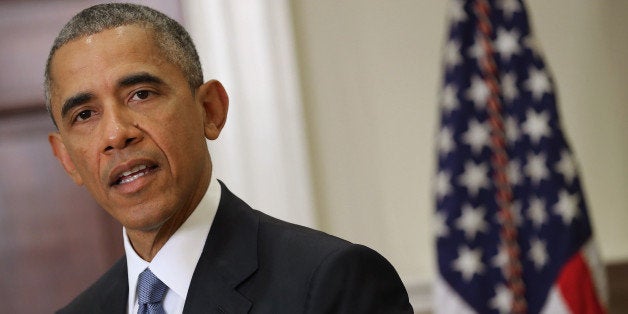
column 150, row 293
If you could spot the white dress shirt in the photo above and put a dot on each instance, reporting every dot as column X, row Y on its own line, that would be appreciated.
column 175, row 262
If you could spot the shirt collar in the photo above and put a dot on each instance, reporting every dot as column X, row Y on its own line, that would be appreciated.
column 175, row 262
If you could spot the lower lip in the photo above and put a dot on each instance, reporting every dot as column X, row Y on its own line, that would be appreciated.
column 135, row 183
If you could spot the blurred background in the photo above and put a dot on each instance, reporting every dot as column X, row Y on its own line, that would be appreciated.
column 333, row 115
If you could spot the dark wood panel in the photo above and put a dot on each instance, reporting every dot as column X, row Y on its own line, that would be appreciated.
column 52, row 234
column 618, row 286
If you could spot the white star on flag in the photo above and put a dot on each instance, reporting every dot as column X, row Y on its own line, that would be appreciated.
column 501, row 259
column 514, row 172
column 456, row 11
column 566, row 167
column 443, row 185
column 472, row 221
column 536, row 212
column 567, row 206
column 476, row 51
column 452, row 54
column 511, row 129
column 502, row 301
column 474, row 177
column 439, row 225
column 449, row 100
column 509, row 7
column 507, row 43
column 469, row 262
column 536, row 168
column 538, row 83
column 445, row 141
column 509, row 86
column 538, row 253
column 478, row 92
column 477, row 136
column 536, row 125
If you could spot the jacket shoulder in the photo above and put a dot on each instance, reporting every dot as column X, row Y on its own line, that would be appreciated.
column 356, row 279
column 273, row 231
column 296, row 269
column 325, row 274
column 109, row 292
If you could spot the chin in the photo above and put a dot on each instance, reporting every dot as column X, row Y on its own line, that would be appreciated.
column 146, row 222
column 144, row 226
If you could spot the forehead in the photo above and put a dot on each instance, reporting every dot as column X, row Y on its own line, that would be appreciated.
column 90, row 61
column 122, row 40
column 109, row 40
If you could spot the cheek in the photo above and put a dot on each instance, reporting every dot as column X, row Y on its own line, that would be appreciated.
column 86, row 163
column 182, row 144
column 182, row 128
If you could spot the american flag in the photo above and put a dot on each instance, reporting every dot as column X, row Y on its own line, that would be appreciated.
column 512, row 229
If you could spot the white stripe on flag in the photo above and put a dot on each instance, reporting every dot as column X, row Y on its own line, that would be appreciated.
column 555, row 303
column 596, row 267
column 447, row 301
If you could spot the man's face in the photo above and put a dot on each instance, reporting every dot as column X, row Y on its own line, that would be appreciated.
column 130, row 128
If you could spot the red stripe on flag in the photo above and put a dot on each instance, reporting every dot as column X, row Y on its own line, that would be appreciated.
column 577, row 287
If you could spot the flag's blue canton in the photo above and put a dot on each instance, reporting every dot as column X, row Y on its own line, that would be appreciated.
column 548, row 205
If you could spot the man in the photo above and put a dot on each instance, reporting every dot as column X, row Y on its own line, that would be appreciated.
column 124, row 88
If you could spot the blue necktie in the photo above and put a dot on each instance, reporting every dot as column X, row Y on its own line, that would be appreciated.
column 150, row 293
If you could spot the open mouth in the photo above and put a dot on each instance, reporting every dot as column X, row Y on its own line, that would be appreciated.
column 134, row 174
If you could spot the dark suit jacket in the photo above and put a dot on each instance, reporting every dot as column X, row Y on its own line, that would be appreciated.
column 253, row 263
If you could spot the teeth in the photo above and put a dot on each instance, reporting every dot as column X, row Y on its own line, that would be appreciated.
column 135, row 169
column 132, row 174
column 132, row 178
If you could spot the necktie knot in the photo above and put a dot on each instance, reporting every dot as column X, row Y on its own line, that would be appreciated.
column 150, row 292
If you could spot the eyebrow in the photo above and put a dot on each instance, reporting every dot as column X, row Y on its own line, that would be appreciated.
column 129, row 80
column 74, row 101
column 137, row 78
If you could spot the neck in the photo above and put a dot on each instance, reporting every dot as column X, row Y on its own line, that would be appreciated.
column 147, row 243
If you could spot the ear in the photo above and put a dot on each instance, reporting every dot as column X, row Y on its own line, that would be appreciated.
column 215, row 102
column 59, row 150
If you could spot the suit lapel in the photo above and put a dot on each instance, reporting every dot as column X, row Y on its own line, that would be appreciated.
column 228, row 258
column 116, row 289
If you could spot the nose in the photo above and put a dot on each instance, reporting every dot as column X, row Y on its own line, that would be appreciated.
column 119, row 129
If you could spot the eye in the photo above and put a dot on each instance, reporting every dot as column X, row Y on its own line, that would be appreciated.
column 83, row 115
column 141, row 95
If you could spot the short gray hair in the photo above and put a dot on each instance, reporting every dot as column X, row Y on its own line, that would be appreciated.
column 170, row 36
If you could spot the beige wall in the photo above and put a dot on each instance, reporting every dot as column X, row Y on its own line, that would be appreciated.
column 370, row 75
